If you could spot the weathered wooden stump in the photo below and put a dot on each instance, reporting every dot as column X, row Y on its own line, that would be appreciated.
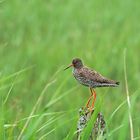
column 99, row 127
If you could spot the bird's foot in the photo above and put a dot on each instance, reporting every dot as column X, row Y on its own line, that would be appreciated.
column 90, row 109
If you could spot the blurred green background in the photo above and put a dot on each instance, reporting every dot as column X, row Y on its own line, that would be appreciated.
column 39, row 38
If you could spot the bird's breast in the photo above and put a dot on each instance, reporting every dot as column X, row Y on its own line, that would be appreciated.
column 82, row 80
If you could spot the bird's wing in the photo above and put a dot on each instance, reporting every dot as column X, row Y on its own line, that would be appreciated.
column 95, row 76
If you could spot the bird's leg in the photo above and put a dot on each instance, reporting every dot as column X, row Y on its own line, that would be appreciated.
column 94, row 98
column 87, row 104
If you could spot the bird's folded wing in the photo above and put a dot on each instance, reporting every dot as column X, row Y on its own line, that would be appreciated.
column 95, row 76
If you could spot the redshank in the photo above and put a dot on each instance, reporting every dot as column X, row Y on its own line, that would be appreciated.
column 90, row 78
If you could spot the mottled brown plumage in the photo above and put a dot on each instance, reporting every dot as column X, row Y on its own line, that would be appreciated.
column 90, row 78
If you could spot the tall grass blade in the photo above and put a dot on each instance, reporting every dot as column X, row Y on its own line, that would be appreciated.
column 128, row 99
column 34, row 108
column 71, row 133
column 59, row 97
column 16, row 73
column 50, row 121
column 43, row 137
column 4, row 102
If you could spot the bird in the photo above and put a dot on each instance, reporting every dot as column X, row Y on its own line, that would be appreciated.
column 90, row 78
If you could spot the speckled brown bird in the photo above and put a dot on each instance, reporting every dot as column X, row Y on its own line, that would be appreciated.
column 90, row 78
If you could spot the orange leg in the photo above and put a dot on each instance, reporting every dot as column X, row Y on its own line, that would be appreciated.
column 94, row 94
column 87, row 104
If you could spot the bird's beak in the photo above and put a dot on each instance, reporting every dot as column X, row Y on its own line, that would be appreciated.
column 71, row 65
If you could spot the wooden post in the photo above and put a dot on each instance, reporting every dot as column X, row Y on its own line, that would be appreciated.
column 98, row 130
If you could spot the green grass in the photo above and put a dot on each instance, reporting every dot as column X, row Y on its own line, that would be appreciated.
column 39, row 38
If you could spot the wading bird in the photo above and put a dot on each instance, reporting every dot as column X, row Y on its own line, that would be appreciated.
column 90, row 78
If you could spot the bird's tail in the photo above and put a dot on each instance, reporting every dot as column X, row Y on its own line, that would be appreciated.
column 117, row 83
column 108, row 85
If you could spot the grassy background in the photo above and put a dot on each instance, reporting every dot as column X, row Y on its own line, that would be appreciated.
column 38, row 38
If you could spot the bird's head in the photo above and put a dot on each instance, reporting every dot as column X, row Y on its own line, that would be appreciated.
column 76, row 63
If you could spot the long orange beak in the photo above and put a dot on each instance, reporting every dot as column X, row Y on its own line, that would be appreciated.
column 71, row 65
